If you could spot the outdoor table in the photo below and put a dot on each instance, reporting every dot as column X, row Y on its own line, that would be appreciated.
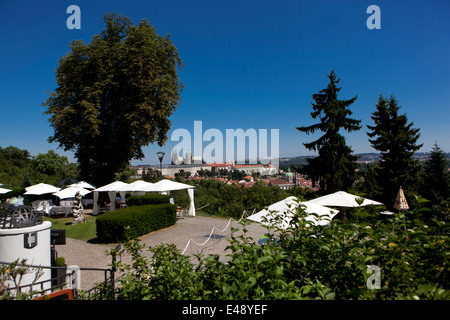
column 57, row 209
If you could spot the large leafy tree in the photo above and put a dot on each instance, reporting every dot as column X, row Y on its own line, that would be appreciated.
column 52, row 168
column 334, row 167
column 396, row 139
column 114, row 96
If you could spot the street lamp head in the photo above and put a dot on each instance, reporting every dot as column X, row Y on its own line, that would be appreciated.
column 160, row 155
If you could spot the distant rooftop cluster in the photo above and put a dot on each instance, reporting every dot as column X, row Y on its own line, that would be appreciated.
column 268, row 174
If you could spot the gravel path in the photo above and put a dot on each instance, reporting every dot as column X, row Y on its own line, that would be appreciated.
column 197, row 229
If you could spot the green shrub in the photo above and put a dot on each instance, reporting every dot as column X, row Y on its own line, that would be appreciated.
column 147, row 199
column 129, row 223
column 60, row 262
column 307, row 262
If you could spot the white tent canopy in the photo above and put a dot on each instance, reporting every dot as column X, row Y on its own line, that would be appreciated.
column 112, row 189
column 343, row 199
column 280, row 213
column 82, row 184
column 40, row 188
column 136, row 186
column 70, row 192
column 143, row 186
column 3, row 190
column 169, row 185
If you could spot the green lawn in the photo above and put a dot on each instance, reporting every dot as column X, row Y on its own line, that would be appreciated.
column 85, row 231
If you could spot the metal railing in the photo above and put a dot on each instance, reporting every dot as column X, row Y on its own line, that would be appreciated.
column 67, row 280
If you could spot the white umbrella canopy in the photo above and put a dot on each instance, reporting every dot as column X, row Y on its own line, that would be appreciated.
column 138, row 185
column 82, row 184
column 70, row 192
column 280, row 213
column 113, row 186
column 167, row 185
column 40, row 189
column 343, row 199
column 3, row 190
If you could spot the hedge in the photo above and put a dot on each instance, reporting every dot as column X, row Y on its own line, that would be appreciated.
column 149, row 198
column 130, row 223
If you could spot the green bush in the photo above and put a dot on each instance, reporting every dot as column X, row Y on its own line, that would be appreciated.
column 307, row 262
column 147, row 199
column 129, row 223
column 60, row 262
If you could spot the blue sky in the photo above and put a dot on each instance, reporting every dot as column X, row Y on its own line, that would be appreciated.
column 247, row 64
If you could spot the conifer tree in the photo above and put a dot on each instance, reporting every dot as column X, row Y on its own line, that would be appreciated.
column 335, row 166
column 396, row 139
column 437, row 178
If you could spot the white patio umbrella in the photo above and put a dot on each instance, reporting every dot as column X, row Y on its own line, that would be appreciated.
column 40, row 189
column 280, row 213
column 343, row 199
column 136, row 186
column 70, row 192
column 3, row 190
column 169, row 185
column 82, row 184
column 112, row 188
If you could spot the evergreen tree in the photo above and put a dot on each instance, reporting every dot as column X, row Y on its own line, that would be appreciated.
column 396, row 139
column 335, row 166
column 437, row 178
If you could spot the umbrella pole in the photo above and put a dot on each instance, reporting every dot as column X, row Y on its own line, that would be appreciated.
column 404, row 221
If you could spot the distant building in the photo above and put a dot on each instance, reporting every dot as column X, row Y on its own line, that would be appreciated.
column 170, row 170
column 192, row 164
column 264, row 170
column 283, row 184
column 219, row 166
column 289, row 176
column 187, row 159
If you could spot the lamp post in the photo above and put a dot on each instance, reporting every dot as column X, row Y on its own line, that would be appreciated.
column 160, row 156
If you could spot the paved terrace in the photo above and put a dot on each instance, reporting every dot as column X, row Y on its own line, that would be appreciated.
column 89, row 255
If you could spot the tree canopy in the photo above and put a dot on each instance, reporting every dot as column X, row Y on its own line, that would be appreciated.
column 437, row 178
column 114, row 96
column 396, row 139
column 19, row 169
column 335, row 166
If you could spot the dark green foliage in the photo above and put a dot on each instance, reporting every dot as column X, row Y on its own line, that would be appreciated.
column 114, row 96
column 335, row 166
column 232, row 200
column 129, row 223
column 437, row 178
column 396, row 139
column 151, row 175
column 18, row 168
column 147, row 199
column 306, row 263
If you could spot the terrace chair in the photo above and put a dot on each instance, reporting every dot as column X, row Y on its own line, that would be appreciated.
column 179, row 212
column 38, row 206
